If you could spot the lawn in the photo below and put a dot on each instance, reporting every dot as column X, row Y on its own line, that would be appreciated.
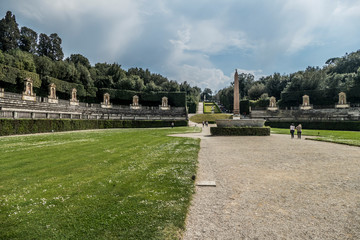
column 209, row 105
column 103, row 184
column 211, row 118
column 342, row 137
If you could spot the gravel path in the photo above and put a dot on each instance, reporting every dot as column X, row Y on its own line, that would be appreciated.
column 275, row 188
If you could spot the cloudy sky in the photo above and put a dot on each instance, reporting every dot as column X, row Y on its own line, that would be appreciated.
column 198, row 41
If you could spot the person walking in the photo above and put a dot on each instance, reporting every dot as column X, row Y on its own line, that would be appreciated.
column 292, row 130
column 298, row 131
column 203, row 123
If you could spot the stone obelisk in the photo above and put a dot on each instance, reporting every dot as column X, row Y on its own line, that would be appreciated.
column 236, row 96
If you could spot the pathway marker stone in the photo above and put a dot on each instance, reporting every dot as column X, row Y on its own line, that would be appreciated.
column 206, row 184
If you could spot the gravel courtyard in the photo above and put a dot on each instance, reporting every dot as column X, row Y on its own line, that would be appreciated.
column 275, row 188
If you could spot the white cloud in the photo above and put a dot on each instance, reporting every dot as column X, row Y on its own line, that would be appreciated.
column 209, row 36
column 202, row 77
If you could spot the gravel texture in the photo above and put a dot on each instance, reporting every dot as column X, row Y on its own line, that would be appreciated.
column 275, row 187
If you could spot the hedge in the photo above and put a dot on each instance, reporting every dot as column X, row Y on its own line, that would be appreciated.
column 320, row 125
column 244, row 106
column 28, row 126
column 13, row 75
column 240, row 131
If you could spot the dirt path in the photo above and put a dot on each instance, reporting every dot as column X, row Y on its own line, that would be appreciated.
column 275, row 188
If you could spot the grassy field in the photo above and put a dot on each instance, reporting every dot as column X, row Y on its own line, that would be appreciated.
column 208, row 105
column 342, row 137
column 103, row 184
column 199, row 118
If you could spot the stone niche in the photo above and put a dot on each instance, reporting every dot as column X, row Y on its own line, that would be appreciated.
column 106, row 102
column 28, row 94
column 272, row 105
column 342, row 101
column 306, row 103
column 135, row 104
column 52, row 98
column 164, row 104
column 73, row 100
column 1, row 92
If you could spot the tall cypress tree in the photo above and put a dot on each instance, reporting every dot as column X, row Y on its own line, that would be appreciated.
column 28, row 40
column 9, row 32
column 56, row 52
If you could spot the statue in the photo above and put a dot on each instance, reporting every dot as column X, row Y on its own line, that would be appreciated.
column 135, row 104
column 164, row 104
column 28, row 93
column 52, row 91
column 106, row 103
column 342, row 101
column 306, row 103
column 73, row 100
column 272, row 104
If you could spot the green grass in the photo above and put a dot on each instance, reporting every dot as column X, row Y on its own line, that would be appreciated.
column 103, row 184
column 342, row 137
column 211, row 118
column 208, row 105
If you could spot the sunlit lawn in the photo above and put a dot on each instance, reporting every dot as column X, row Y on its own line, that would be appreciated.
column 208, row 107
column 105, row 184
column 199, row 118
column 344, row 137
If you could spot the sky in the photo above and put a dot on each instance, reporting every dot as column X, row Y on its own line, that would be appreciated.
column 199, row 41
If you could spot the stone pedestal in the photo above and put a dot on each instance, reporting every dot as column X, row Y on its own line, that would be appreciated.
column 164, row 107
column 74, row 103
column 53, row 100
column 132, row 106
column 273, row 109
column 106, row 105
column 342, row 105
column 307, row 107
column 28, row 98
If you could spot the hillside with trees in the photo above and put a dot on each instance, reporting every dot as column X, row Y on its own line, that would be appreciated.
column 25, row 53
column 340, row 74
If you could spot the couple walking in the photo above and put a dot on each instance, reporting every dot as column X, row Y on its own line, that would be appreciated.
column 298, row 130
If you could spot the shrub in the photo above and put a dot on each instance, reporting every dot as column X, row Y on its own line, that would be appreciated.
column 320, row 125
column 26, row 126
column 240, row 131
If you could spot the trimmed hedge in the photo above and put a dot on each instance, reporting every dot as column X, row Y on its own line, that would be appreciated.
column 28, row 126
column 11, row 75
column 244, row 107
column 320, row 125
column 240, row 131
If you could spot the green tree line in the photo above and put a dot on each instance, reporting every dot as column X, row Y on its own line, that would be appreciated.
column 341, row 74
column 25, row 49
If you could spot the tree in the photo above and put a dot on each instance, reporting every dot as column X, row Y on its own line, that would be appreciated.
column 9, row 32
column 50, row 46
column 85, row 77
column 44, row 66
column 206, row 94
column 28, row 40
column 56, row 52
column 44, row 46
column 246, row 80
column 79, row 59
column 256, row 91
